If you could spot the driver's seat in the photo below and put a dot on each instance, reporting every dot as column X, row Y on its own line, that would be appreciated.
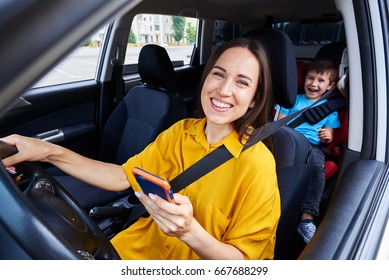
column 145, row 111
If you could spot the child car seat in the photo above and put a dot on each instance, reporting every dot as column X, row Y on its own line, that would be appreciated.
column 336, row 52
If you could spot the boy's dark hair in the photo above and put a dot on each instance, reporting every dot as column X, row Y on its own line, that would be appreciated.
column 321, row 66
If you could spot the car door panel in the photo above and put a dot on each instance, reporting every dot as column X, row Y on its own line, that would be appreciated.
column 63, row 114
column 346, row 214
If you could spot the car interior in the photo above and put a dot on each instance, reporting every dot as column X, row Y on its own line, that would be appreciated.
column 124, row 106
column 144, row 112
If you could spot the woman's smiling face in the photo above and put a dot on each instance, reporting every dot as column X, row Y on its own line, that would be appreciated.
column 229, row 88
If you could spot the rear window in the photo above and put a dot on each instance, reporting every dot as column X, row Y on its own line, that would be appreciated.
column 224, row 31
column 307, row 38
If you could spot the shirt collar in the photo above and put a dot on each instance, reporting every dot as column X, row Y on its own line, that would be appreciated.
column 231, row 142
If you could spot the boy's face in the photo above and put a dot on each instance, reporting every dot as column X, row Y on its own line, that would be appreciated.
column 316, row 84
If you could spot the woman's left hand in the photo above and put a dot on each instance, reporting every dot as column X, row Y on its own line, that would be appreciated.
column 173, row 219
column 177, row 220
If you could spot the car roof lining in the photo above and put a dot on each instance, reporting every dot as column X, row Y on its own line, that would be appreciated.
column 258, row 15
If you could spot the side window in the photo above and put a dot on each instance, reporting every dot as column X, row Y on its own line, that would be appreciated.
column 178, row 35
column 79, row 65
column 308, row 38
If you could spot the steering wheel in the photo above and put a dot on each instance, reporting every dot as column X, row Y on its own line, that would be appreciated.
column 39, row 215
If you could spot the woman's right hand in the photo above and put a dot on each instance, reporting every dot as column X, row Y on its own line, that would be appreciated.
column 97, row 173
column 29, row 149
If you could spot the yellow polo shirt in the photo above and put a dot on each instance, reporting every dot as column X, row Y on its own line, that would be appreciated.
column 238, row 203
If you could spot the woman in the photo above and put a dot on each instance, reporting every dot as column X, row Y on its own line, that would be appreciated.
column 231, row 212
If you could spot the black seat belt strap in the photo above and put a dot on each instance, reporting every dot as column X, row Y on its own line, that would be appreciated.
column 200, row 168
column 117, row 74
column 317, row 113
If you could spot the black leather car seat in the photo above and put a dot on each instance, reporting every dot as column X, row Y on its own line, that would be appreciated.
column 292, row 149
column 332, row 51
column 147, row 109
column 144, row 112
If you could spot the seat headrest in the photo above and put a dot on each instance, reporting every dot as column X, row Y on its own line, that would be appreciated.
column 155, row 68
column 282, row 64
column 332, row 51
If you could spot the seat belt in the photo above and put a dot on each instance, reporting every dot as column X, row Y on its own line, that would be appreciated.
column 317, row 113
column 117, row 74
column 217, row 158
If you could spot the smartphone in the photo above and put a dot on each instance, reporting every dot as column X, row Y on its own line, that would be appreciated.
column 150, row 183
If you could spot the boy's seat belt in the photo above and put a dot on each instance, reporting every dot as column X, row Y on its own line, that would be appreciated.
column 315, row 114
column 218, row 157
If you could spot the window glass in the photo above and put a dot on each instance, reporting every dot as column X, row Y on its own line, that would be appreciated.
column 224, row 31
column 176, row 34
column 79, row 65
column 307, row 38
